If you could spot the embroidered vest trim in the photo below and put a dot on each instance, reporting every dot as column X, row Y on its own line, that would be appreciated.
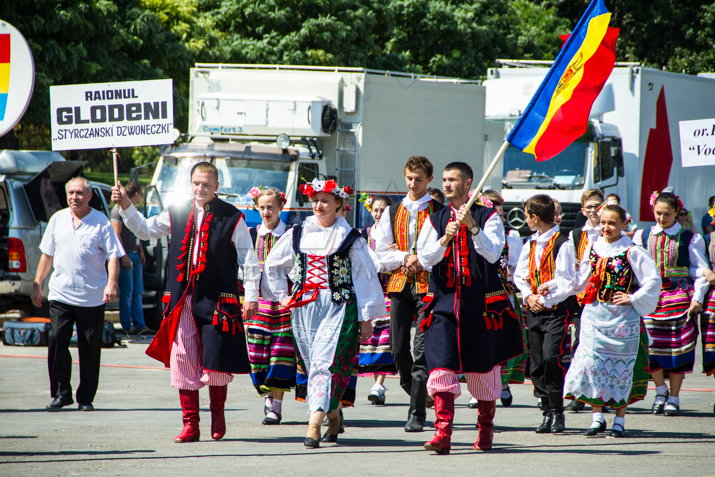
column 401, row 233
column 666, row 250
column 615, row 273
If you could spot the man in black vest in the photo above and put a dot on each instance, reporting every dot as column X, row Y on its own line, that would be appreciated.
column 469, row 325
column 202, row 337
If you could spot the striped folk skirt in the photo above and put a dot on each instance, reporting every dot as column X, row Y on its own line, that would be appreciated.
column 376, row 354
column 673, row 331
column 707, row 333
column 271, row 350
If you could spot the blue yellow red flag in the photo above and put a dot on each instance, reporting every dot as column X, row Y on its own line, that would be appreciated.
column 558, row 112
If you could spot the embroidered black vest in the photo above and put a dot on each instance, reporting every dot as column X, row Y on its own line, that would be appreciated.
column 670, row 252
column 615, row 272
column 339, row 268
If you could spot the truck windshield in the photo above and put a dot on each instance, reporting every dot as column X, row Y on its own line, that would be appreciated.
column 236, row 177
column 565, row 171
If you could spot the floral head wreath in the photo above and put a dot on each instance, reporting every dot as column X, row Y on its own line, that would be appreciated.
column 255, row 193
column 711, row 212
column 329, row 186
column 482, row 199
column 367, row 201
column 667, row 190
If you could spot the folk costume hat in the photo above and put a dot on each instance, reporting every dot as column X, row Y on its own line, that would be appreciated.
column 329, row 186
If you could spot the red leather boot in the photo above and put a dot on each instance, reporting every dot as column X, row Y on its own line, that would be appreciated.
column 218, row 421
column 190, row 408
column 485, row 422
column 444, row 416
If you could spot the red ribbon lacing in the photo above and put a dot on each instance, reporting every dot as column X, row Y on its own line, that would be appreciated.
column 181, row 267
column 203, row 240
column 315, row 281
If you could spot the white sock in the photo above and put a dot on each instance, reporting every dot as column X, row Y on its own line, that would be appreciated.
column 276, row 406
column 269, row 402
column 473, row 400
column 619, row 421
column 505, row 392
column 660, row 392
column 674, row 400
column 597, row 419
column 377, row 388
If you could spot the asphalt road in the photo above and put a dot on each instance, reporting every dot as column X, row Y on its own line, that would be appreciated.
column 137, row 416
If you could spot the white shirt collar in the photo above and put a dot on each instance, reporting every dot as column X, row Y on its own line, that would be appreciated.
column 311, row 225
column 546, row 236
column 674, row 229
column 605, row 249
column 415, row 205
column 278, row 231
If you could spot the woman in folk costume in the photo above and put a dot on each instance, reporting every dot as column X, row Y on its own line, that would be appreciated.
column 680, row 257
column 469, row 325
column 611, row 362
column 707, row 318
column 270, row 340
column 336, row 294
column 201, row 338
column 375, row 355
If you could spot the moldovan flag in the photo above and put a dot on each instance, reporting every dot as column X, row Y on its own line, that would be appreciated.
column 558, row 113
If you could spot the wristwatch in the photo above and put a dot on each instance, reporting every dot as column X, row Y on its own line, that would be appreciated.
column 475, row 230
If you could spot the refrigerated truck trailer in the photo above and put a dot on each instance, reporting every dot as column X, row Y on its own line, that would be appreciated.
column 631, row 148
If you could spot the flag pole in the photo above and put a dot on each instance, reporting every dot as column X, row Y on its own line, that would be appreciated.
column 487, row 173
column 116, row 166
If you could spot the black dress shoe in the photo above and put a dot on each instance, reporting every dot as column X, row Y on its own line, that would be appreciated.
column 617, row 431
column 506, row 402
column 270, row 421
column 86, row 407
column 559, row 423
column 311, row 443
column 59, row 403
column 592, row 431
column 659, row 406
column 415, row 424
column 329, row 438
column 575, row 406
column 545, row 427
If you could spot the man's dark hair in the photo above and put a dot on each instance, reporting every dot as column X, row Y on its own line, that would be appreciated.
column 542, row 206
column 711, row 200
column 436, row 194
column 419, row 162
column 205, row 167
column 462, row 167
column 133, row 188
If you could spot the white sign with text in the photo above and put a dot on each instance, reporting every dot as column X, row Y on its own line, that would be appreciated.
column 104, row 115
column 697, row 142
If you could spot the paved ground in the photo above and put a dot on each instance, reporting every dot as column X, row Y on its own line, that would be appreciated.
column 137, row 417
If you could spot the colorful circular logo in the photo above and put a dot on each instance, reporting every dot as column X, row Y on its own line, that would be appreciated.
column 17, row 76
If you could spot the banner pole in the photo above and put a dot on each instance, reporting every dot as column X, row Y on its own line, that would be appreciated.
column 487, row 173
column 116, row 166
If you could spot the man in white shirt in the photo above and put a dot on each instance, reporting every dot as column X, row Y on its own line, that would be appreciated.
column 78, row 241
column 401, row 224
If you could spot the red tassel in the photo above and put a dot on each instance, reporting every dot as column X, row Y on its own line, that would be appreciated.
column 225, row 325
column 501, row 322
column 215, row 322
column 180, row 278
column 233, row 328
column 487, row 322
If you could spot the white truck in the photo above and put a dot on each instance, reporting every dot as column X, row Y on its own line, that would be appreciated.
column 632, row 146
column 276, row 126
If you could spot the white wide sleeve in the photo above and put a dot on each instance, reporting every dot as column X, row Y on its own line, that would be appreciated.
column 515, row 246
column 278, row 266
column 638, row 238
column 429, row 249
column 565, row 275
column 247, row 260
column 698, row 263
column 368, row 291
column 489, row 242
column 645, row 299
column 521, row 274
column 145, row 229
column 384, row 237
column 376, row 261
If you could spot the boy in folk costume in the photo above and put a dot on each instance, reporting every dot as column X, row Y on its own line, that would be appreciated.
column 469, row 325
column 201, row 338
column 547, row 257
column 401, row 224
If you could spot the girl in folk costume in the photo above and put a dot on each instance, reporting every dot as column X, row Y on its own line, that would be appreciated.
column 610, row 365
column 201, row 338
column 512, row 372
column 376, row 355
column 270, row 340
column 680, row 257
column 707, row 318
column 336, row 294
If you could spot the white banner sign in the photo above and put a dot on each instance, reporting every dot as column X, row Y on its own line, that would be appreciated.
column 697, row 142
column 104, row 115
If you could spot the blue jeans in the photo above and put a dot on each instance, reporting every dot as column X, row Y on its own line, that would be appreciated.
column 131, row 287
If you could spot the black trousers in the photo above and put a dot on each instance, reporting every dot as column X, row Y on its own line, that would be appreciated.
column 89, row 322
column 404, row 306
column 547, row 341
column 577, row 332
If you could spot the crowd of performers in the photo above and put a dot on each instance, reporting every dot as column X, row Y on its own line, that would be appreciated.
column 433, row 292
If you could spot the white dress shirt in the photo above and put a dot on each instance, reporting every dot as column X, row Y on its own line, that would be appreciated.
column 488, row 243
column 384, row 235
column 515, row 246
column 696, row 252
column 160, row 226
column 564, row 268
column 645, row 299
